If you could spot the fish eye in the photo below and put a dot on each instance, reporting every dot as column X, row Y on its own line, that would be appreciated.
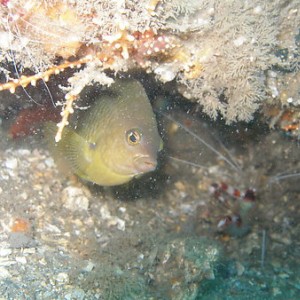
column 133, row 136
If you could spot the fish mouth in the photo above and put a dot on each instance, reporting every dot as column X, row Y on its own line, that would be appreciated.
column 145, row 163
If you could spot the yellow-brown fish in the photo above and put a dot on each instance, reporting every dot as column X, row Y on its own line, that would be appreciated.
column 115, row 140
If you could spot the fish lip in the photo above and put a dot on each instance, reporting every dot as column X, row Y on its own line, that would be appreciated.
column 145, row 163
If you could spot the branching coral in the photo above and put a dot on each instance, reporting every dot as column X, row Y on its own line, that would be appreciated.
column 216, row 51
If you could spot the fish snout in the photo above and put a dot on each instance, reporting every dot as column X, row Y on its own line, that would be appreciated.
column 145, row 163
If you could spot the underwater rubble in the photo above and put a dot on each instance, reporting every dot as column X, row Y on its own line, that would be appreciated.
column 157, row 239
column 182, row 231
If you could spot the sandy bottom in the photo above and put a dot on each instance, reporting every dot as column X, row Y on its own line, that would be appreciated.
column 157, row 238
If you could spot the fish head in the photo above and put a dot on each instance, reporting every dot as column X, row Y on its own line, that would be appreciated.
column 142, row 146
column 134, row 150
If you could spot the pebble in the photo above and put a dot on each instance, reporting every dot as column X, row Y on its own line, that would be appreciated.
column 23, row 196
column 5, row 251
column 112, row 220
column 276, row 291
column 62, row 278
column 6, row 263
column 4, row 273
column 89, row 267
column 281, row 239
column 122, row 209
column 49, row 162
column 76, row 294
column 21, row 260
column 11, row 163
column 28, row 251
column 41, row 166
column 4, row 177
column 240, row 269
column 75, row 199
column 24, row 152
column 20, row 240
